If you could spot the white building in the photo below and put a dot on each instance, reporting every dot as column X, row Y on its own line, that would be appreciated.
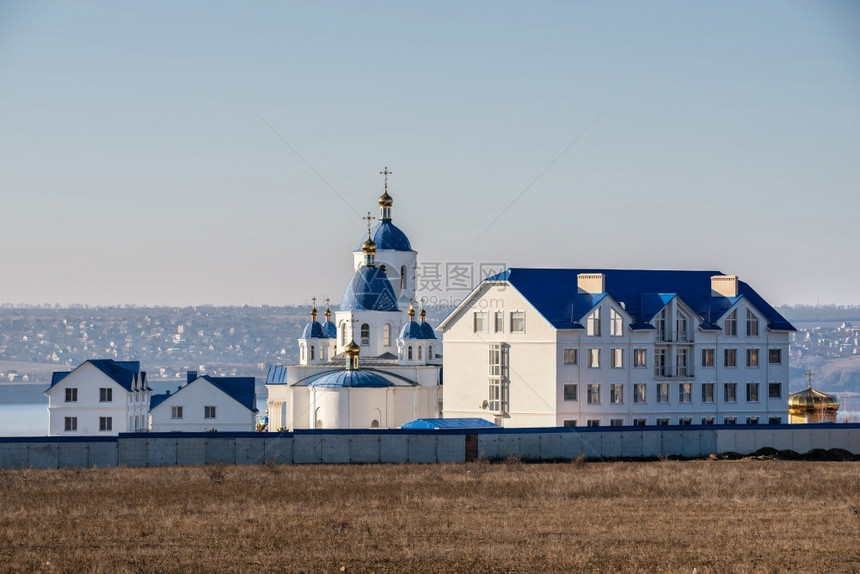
column 99, row 397
column 568, row 347
column 206, row 403
column 399, row 375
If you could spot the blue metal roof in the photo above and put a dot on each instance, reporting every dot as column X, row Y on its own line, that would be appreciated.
column 388, row 237
column 369, row 290
column 330, row 330
column 427, row 331
column 345, row 378
column 313, row 330
column 554, row 294
column 411, row 330
column 456, row 423
column 123, row 373
column 241, row 389
column 277, row 375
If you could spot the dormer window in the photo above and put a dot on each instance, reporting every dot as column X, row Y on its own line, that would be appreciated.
column 616, row 323
column 752, row 324
column 730, row 325
column 593, row 324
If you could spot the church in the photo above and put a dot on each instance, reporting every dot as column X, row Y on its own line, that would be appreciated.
column 373, row 363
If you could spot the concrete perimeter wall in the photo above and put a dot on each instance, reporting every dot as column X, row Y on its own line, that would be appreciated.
column 424, row 446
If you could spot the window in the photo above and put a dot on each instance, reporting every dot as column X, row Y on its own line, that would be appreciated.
column 707, row 392
column 774, row 420
column 681, row 364
column 365, row 334
column 662, row 392
column 386, row 334
column 420, row 348
column 480, row 321
column 409, row 353
column 616, row 323
column 570, row 356
column 176, row 412
column 660, row 363
column 593, row 393
column 730, row 420
column 105, row 423
column 752, row 392
column 106, row 395
column 571, row 392
column 707, row 357
column 662, row 422
column 730, row 357
column 498, row 378
column 774, row 390
column 730, row 325
column 312, row 352
column 681, row 328
column 685, row 421
column 752, row 420
column 374, row 424
column 685, row 392
column 752, row 324
column 640, row 357
column 774, row 356
column 570, row 424
column 500, row 321
column 593, row 358
column 71, row 423
column 71, row 395
column 708, row 420
column 209, row 412
column 616, row 422
column 593, row 422
column 639, row 422
column 639, row 392
column 616, row 358
column 752, row 357
column 592, row 327
column 343, row 333
column 518, row 321
column 616, row 393
column 429, row 352
column 730, row 392
column 402, row 277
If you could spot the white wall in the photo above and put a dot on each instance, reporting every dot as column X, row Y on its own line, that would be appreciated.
column 230, row 415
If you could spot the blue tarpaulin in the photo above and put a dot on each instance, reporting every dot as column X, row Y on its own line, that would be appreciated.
column 462, row 423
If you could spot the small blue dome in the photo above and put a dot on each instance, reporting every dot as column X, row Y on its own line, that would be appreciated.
column 427, row 331
column 369, row 290
column 313, row 330
column 349, row 379
column 330, row 330
column 389, row 237
column 411, row 330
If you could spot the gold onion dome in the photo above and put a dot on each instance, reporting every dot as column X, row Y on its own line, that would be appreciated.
column 351, row 349
column 368, row 246
column 385, row 200
column 809, row 400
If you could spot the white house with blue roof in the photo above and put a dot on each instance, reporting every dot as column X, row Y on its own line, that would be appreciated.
column 99, row 397
column 577, row 347
column 206, row 403
column 398, row 378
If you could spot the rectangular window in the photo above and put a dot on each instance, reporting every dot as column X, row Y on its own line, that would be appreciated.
column 662, row 392
column 616, row 323
column 570, row 424
column 730, row 325
column 105, row 423
column 660, row 363
column 730, row 420
column 752, row 324
column 707, row 392
column 498, row 378
column 105, row 395
column 707, row 357
column 774, row 356
column 685, row 422
column 708, row 420
column 730, row 357
column 752, row 420
column 571, row 392
column 616, row 422
column 594, row 358
column 681, row 369
column 662, row 422
column 593, row 393
column 617, row 358
column 640, row 358
column 616, row 393
column 774, row 420
column 752, row 357
column 774, row 390
column 518, row 321
column 593, row 422
column 570, row 356
column 685, row 392
column 480, row 321
column 639, row 392
column 71, row 395
column 209, row 412
column 592, row 326
column 639, row 422
column 752, row 392
column 176, row 412
column 730, row 392
column 500, row 321
column 71, row 424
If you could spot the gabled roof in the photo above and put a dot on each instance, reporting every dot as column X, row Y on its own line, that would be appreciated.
column 553, row 292
column 122, row 373
column 240, row 389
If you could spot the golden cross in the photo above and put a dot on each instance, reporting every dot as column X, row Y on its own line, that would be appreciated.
column 386, row 173
column 368, row 218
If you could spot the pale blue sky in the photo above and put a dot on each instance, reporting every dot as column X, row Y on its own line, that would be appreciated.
column 134, row 167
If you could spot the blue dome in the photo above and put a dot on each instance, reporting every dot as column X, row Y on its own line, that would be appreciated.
column 369, row 290
column 427, row 331
column 411, row 330
column 348, row 379
column 313, row 330
column 389, row 237
column 330, row 330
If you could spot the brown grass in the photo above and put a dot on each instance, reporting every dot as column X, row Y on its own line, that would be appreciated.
column 702, row 516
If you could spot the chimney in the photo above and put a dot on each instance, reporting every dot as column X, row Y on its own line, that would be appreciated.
column 724, row 286
column 591, row 282
column 191, row 376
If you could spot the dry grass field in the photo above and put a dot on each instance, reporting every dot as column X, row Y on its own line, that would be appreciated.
column 696, row 516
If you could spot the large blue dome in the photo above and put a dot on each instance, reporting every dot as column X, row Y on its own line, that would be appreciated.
column 348, row 379
column 369, row 290
column 389, row 237
column 411, row 330
column 313, row 330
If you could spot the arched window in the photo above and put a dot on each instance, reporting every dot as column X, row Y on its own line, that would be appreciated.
column 302, row 352
column 312, row 352
column 419, row 352
column 365, row 334
column 342, row 333
column 429, row 352
column 409, row 353
column 386, row 335
column 374, row 424
column 403, row 277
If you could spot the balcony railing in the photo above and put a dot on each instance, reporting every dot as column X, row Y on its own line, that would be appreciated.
column 674, row 372
column 674, row 337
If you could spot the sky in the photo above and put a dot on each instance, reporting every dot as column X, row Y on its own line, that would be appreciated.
column 183, row 153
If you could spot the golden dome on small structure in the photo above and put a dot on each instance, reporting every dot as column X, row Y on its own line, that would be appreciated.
column 351, row 349
column 411, row 312
column 811, row 406
column 368, row 246
column 385, row 200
